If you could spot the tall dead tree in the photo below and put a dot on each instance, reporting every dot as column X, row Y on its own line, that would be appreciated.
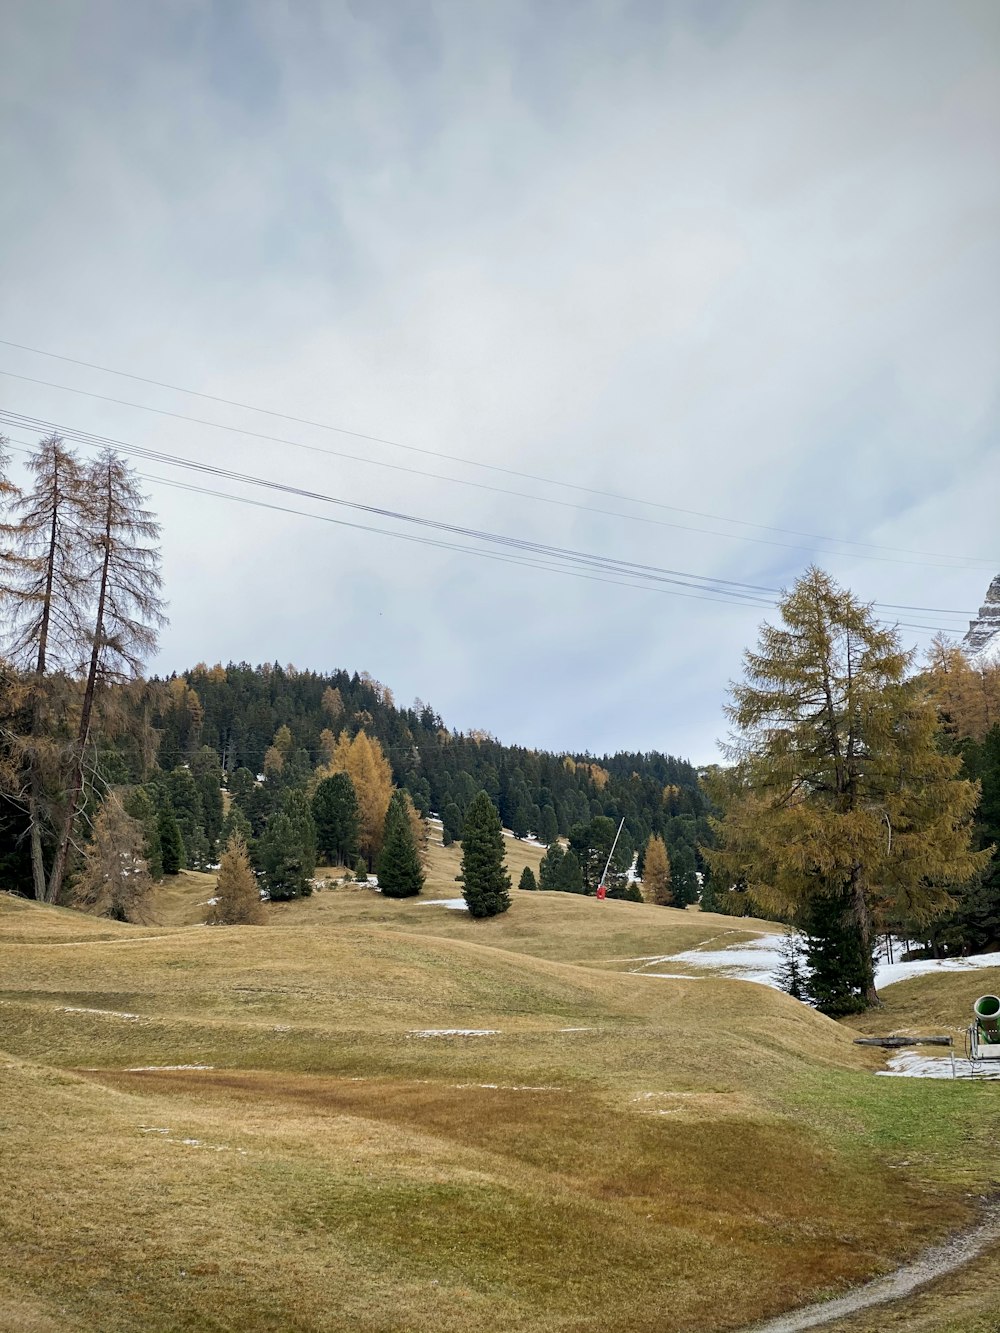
column 122, row 571
column 46, row 607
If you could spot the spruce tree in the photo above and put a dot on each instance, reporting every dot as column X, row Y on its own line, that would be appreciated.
column 792, row 972
column 295, row 805
column 400, row 874
column 236, row 822
column 548, row 870
column 281, row 860
column 237, row 896
column 171, row 845
column 569, row 878
column 451, row 823
column 684, row 876
column 548, row 828
column 335, row 814
column 527, row 880
column 486, row 884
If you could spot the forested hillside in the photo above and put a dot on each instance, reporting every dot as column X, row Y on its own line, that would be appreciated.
column 279, row 724
column 256, row 737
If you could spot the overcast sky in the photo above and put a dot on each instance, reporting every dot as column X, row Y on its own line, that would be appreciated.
column 741, row 259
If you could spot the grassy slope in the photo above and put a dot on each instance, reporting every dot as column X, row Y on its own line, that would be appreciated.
column 699, row 1154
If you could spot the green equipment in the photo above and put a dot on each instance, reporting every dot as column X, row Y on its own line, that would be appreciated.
column 984, row 1035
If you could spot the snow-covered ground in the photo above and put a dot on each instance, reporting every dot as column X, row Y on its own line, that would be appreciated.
column 454, row 1032
column 456, row 904
column 908, row 1064
column 889, row 973
column 759, row 960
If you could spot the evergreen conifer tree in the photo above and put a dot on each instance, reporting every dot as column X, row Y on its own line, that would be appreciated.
column 684, row 876
column 548, row 870
column 548, row 828
column 792, row 972
column 281, row 860
column 137, row 803
column 171, row 844
column 295, row 805
column 486, row 884
column 400, row 874
column 527, row 880
column 335, row 814
column 235, row 822
column 570, row 876
column 451, row 822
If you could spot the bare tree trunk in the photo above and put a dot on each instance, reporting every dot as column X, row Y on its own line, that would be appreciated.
column 37, row 863
column 34, row 777
column 61, row 857
column 865, row 928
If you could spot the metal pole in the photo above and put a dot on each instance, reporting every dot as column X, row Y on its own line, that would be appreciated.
column 607, row 863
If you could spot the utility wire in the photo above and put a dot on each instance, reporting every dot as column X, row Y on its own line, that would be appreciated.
column 719, row 596
column 682, row 578
column 375, row 439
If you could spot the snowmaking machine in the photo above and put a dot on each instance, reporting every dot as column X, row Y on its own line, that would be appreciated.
column 984, row 1035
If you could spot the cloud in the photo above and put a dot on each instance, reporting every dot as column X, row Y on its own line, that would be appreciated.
column 742, row 260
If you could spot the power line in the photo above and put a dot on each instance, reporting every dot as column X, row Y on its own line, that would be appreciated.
column 720, row 597
column 375, row 439
column 427, row 541
column 457, row 481
column 704, row 583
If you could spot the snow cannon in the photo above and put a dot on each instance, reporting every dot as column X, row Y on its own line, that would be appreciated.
column 985, row 1031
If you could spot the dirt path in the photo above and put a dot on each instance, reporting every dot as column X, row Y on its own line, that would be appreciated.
column 933, row 1263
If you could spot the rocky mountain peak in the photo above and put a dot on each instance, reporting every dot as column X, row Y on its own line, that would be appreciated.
column 982, row 643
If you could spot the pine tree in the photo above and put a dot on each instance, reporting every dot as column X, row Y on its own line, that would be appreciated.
column 451, row 823
column 684, row 876
column 527, row 880
column 237, row 896
column 241, row 786
column 792, row 972
column 171, row 844
column 114, row 878
column 400, row 874
column 656, row 872
column 295, row 805
column 235, row 823
column 841, row 800
column 548, row 827
column 570, row 875
column 548, row 870
column 138, row 804
column 486, row 884
column 280, row 859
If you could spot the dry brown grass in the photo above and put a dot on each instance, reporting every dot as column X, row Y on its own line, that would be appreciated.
column 621, row 1153
column 937, row 1003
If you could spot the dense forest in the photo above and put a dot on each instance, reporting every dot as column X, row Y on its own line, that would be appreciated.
column 265, row 729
